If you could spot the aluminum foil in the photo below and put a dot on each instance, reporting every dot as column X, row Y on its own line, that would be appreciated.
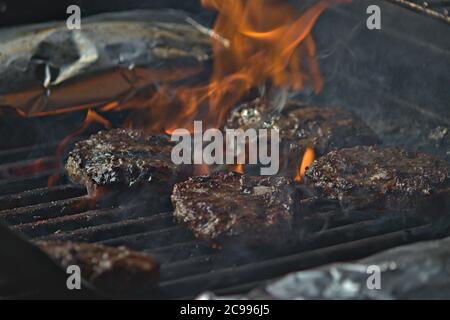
column 114, row 57
column 418, row 271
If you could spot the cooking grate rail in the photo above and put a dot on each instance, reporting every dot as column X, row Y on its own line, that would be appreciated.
column 434, row 8
column 189, row 267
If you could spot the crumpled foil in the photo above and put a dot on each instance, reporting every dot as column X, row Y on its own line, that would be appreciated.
column 114, row 57
column 417, row 271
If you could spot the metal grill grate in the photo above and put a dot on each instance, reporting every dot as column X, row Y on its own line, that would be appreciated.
column 189, row 267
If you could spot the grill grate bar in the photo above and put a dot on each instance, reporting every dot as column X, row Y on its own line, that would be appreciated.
column 332, row 219
column 241, row 289
column 13, row 155
column 180, row 252
column 263, row 270
column 21, row 184
column 168, row 257
column 110, row 231
column 47, row 210
column 71, row 223
column 79, row 221
column 337, row 217
column 360, row 230
column 41, row 195
column 181, row 269
column 27, row 167
column 153, row 239
column 315, row 241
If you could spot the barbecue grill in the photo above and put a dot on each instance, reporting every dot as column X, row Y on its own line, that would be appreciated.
column 189, row 267
column 396, row 79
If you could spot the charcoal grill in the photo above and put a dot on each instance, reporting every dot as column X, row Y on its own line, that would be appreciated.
column 190, row 267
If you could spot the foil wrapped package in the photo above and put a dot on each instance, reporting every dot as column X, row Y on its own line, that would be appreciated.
column 47, row 68
column 417, row 271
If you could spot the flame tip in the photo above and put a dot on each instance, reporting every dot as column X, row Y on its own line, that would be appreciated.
column 308, row 158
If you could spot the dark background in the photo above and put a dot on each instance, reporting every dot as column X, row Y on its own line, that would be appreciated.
column 14, row 12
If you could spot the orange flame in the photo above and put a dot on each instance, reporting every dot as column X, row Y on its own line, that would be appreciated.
column 256, row 43
column 239, row 168
column 308, row 159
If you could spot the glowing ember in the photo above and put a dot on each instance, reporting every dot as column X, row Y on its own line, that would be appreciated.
column 308, row 159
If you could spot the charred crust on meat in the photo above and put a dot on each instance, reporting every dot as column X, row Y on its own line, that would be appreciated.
column 301, row 126
column 124, row 159
column 110, row 269
column 221, row 207
column 378, row 177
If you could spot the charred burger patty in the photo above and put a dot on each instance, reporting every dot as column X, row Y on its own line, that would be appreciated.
column 378, row 177
column 111, row 269
column 123, row 159
column 323, row 129
column 231, row 205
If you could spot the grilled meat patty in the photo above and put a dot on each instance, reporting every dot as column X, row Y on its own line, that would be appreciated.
column 113, row 270
column 124, row 159
column 222, row 206
column 378, row 177
column 300, row 126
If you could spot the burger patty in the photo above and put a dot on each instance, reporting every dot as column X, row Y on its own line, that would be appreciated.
column 300, row 126
column 378, row 177
column 113, row 270
column 124, row 159
column 222, row 206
